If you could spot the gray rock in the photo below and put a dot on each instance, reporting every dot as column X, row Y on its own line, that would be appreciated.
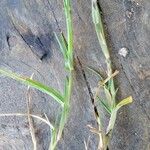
column 27, row 45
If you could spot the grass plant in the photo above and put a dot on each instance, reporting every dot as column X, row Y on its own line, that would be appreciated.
column 109, row 103
column 66, row 47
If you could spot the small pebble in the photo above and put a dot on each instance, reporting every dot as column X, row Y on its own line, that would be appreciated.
column 123, row 52
column 129, row 14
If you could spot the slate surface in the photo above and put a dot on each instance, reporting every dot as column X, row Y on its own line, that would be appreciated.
column 27, row 45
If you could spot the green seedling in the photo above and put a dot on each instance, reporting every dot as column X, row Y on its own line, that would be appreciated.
column 107, row 85
column 66, row 47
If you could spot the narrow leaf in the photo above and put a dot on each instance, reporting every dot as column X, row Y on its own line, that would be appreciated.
column 97, row 20
column 68, row 14
column 114, row 113
column 94, row 71
column 112, row 91
column 108, row 97
column 114, row 96
column 125, row 101
column 66, row 88
column 112, row 121
column 105, row 105
column 35, row 84
column 62, row 44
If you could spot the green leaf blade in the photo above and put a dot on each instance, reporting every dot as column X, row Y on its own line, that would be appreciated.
column 35, row 84
column 112, row 120
column 108, row 97
column 106, row 107
column 96, row 72
column 124, row 102
column 97, row 20
column 62, row 44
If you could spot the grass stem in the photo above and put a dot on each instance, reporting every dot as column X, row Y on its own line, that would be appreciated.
column 67, row 49
column 108, row 84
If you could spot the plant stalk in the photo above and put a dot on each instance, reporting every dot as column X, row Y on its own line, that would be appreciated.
column 99, row 27
column 69, row 79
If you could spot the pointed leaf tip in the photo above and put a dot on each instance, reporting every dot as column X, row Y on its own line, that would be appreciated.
column 124, row 102
column 35, row 84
